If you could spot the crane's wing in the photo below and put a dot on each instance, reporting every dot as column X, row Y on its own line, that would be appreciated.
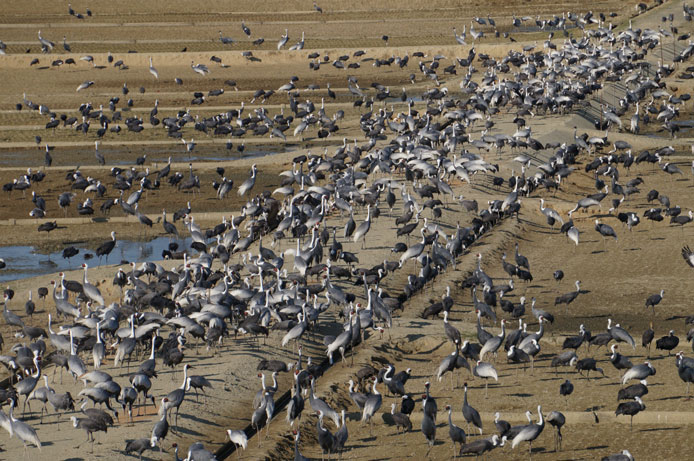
column 688, row 256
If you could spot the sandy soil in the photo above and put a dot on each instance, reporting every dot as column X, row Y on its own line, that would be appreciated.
column 616, row 276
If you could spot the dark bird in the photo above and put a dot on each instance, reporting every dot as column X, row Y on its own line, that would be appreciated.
column 631, row 409
column 654, row 300
column 635, row 390
column 667, row 343
column 566, row 389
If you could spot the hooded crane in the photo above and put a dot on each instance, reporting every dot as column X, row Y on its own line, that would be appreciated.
column 400, row 419
column 470, row 414
column 161, row 428
column 667, row 343
column 654, row 300
column 428, row 425
column 605, row 230
column 631, row 409
column 456, row 434
column 557, row 419
column 619, row 361
column 568, row 298
column 107, row 247
column 481, row 446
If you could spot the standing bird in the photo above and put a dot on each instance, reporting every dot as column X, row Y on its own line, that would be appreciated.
column 90, row 426
column 619, row 334
column 400, row 419
column 325, row 439
column 619, row 361
column 107, row 247
column 667, row 343
column 363, row 228
column 428, row 425
column 654, row 300
column 631, row 409
column 470, row 414
column 342, row 435
column 566, row 389
column 456, row 434
column 605, row 230
column 371, row 406
column 557, row 419
column 174, row 399
column 152, row 70
column 647, row 338
column 639, row 372
column 29, row 306
column 568, row 298
column 248, row 184
column 99, row 156
column 22, row 430
column 530, row 432
column 486, row 370
column 169, row 227
column 492, row 344
column 238, row 438
column 161, row 428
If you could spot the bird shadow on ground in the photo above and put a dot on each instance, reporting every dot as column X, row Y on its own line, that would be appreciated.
column 674, row 397
column 654, row 429
column 521, row 395
column 597, row 447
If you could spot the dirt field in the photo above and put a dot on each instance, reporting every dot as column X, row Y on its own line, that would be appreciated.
column 616, row 275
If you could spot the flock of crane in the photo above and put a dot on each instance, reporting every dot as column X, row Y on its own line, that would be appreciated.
column 229, row 285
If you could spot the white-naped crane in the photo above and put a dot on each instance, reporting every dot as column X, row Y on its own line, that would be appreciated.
column 22, row 430
column 238, row 438
column 639, row 372
column 530, row 432
column 152, row 69
column 371, row 406
column 320, row 405
column 619, row 334
column 485, row 370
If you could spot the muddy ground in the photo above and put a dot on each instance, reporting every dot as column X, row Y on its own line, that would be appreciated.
column 616, row 276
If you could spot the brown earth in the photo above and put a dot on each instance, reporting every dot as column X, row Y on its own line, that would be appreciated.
column 616, row 276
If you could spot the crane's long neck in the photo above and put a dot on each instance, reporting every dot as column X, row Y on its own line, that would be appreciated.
column 37, row 373
column 185, row 377
column 72, row 345
column 262, row 380
column 151, row 356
